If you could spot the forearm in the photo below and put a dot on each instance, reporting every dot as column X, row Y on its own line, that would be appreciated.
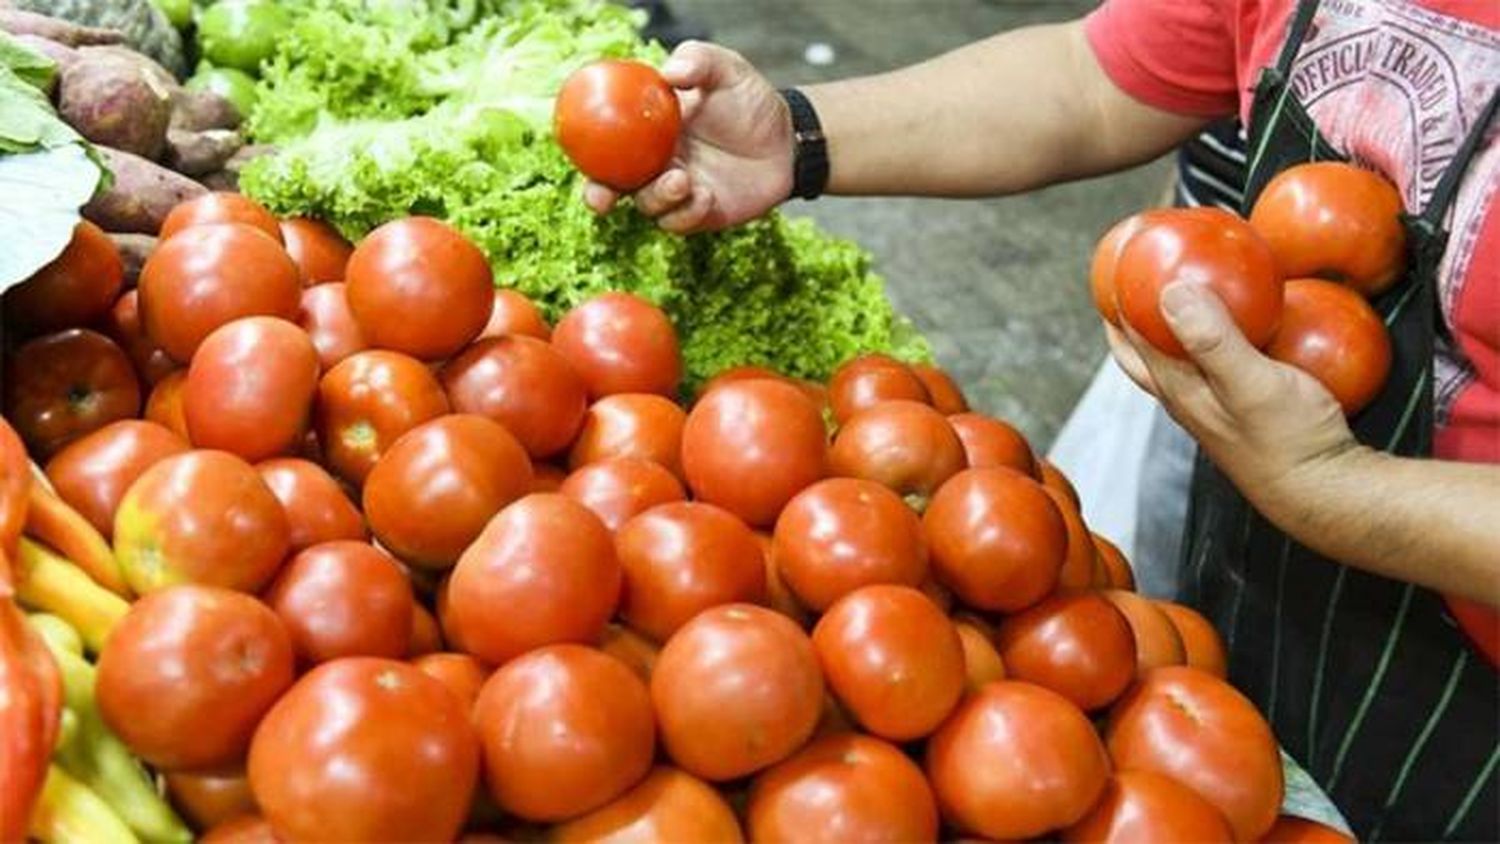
column 1021, row 110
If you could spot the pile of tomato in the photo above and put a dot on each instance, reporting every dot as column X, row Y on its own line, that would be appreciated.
column 408, row 563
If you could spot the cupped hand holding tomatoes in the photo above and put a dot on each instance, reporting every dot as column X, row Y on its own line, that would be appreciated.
column 1141, row 807
column 863, row 382
column 641, row 425
column 367, row 402
column 326, row 318
column 342, row 599
column 72, row 291
column 618, row 122
column 317, row 510
column 93, row 473
column 250, row 388
column 905, row 445
column 1330, row 332
column 219, row 207
column 525, row 385
column 320, row 251
column 63, row 386
column 621, row 343
column 1077, row 645
column 668, row 805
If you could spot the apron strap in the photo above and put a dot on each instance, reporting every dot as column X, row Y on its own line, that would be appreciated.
column 1447, row 187
column 1295, row 34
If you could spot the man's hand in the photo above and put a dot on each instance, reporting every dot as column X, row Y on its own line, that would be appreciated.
column 734, row 160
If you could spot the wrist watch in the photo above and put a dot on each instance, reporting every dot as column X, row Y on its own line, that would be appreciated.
column 809, row 147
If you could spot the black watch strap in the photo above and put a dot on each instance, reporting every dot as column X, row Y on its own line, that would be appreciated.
column 810, row 147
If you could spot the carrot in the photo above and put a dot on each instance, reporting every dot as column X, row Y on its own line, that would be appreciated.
column 52, row 521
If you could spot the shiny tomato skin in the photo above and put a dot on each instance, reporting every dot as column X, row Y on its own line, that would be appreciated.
column 668, row 805
column 365, row 749
column 342, row 599
column 779, row 596
column 1102, row 267
column 59, row 387
column 1016, row 761
column 743, row 372
column 990, row 442
column 1141, row 807
column 982, row 662
column 200, row 517
column 682, row 558
column 122, row 324
column 326, row 318
column 92, row 473
column 1077, row 645
column 513, row 313
column 621, row 343
column 72, row 291
column 1157, row 642
column 1054, row 479
column 618, row 490
column 426, row 636
column 996, row 539
column 462, row 674
column 367, row 402
column 317, row 510
column 242, row 829
column 1197, row 729
column 565, row 729
column 164, row 406
column 419, row 287
column 618, row 122
column 1332, row 220
column 843, row 788
column 868, row 380
column 210, row 275
column 843, row 533
column 551, row 563
column 217, row 208
column 250, row 388
column 188, row 673
column 947, row 397
column 893, row 659
column 1115, row 566
column 631, row 425
column 1290, row 829
column 209, row 799
column 321, row 253
column 736, row 689
column 1202, row 647
column 749, row 446
column 546, row 477
column 1330, row 332
column 1209, row 247
column 637, row 652
column 905, row 445
column 525, row 385
column 435, row 489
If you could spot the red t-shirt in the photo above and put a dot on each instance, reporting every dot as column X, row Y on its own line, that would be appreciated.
column 1394, row 85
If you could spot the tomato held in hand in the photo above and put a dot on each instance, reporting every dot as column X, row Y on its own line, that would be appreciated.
column 621, row 343
column 904, row 445
column 1197, row 729
column 123, row 325
column 219, row 207
column 736, row 689
column 945, row 393
column 565, row 730
column 187, row 674
column 72, row 291
column 63, row 386
column 1106, row 258
column 92, row 473
column 1331, row 333
column 211, row 275
column 419, row 287
column 1016, row 761
column 618, row 122
column 250, row 388
column 551, row 563
column 365, row 749
column 1201, row 645
column 343, row 599
column 164, row 406
column 317, row 510
column 868, row 380
column 843, row 533
column 749, row 446
column 525, row 385
column 982, row 662
column 1078, row 645
column 990, row 442
column 320, row 251
column 328, row 321
column 1208, row 247
column 462, row 674
column 513, row 313
column 1157, row 642
column 1141, row 807
column 680, row 559
column 631, row 425
column 668, row 805
column 843, row 788
column 367, row 402
column 210, row 799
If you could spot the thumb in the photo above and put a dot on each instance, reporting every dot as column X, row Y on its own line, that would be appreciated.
column 1205, row 328
column 696, row 64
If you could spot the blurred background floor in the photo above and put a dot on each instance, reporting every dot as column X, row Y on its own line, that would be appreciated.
column 998, row 286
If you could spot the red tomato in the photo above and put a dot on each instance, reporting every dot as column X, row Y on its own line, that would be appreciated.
column 317, row 510
column 867, row 380
column 1053, row 478
column 1106, row 258
column 565, row 730
column 637, row 652
column 211, row 275
column 996, row 539
column 904, row 445
column 1077, row 645
column 546, row 477
column 210, row 799
column 1333, row 220
column 1201, row 645
column 893, row 659
column 426, row 636
column 244, row 829
column 743, row 372
column 420, row 287
column 990, row 442
column 328, row 321
column 945, row 393
column 123, row 325
column 1331, row 333
column 620, row 343
column 680, row 559
column 367, row 402
column 63, row 386
column 513, row 313
column 1294, row 830
column 343, row 599
column 92, row 473
column 250, row 388
column 219, row 207
column 164, row 407
column 1210, row 247
column 631, row 425
column 620, row 489
column 436, row 488
column 187, row 674
column 551, row 563
column 736, row 689
column 982, row 662
column 618, row 122
column 843, row 533
column 1115, row 566
column 365, row 749
column 750, row 446
column 843, row 788
column 1016, row 761
column 1078, row 567
column 525, row 385
column 1196, row 729
column 201, row 517
column 1140, row 807
column 320, row 251
column 668, row 805
column 462, row 674
column 72, row 291
column 779, row 596
column 1157, row 642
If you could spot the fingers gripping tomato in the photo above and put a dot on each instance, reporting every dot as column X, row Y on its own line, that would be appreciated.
column 618, row 122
